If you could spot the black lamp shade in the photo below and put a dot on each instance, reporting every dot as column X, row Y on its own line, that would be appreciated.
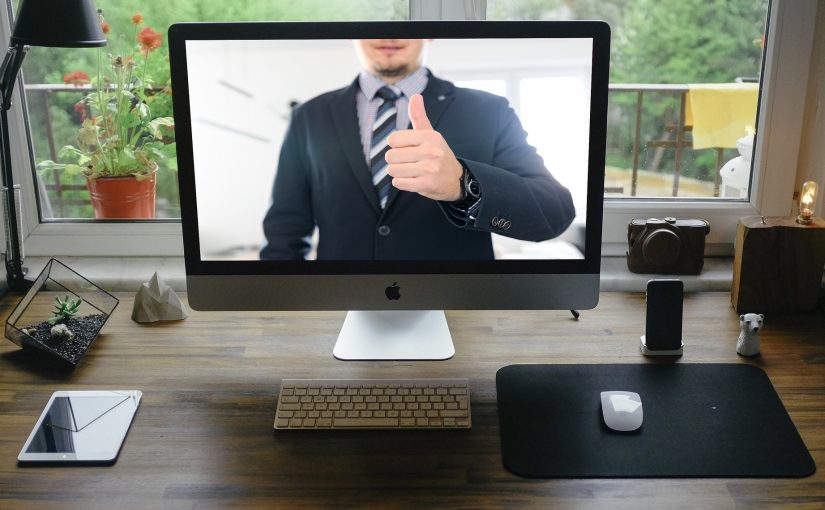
column 58, row 23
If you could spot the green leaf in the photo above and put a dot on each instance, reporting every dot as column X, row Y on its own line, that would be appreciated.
column 68, row 151
column 127, row 159
column 155, row 125
column 74, row 169
column 128, row 119
column 48, row 165
column 169, row 151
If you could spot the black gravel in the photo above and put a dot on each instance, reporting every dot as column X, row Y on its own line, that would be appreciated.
column 84, row 329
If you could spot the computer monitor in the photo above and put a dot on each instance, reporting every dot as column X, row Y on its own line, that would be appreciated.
column 495, row 188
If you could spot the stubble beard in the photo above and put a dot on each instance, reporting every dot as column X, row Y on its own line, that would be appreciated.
column 392, row 72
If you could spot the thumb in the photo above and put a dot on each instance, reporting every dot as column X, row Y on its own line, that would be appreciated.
column 418, row 115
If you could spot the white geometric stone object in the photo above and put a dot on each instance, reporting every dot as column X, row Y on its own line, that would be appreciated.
column 156, row 301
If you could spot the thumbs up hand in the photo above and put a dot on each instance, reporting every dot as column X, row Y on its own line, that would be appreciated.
column 420, row 160
column 417, row 113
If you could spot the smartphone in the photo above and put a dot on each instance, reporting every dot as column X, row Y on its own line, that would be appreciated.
column 663, row 324
column 81, row 427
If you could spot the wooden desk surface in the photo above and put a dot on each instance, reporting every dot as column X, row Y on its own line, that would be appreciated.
column 203, row 436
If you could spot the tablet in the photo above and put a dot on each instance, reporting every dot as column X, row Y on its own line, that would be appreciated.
column 81, row 427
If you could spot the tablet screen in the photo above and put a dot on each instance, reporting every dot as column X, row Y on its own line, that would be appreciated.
column 81, row 426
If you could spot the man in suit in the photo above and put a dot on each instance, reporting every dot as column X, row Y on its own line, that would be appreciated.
column 435, row 191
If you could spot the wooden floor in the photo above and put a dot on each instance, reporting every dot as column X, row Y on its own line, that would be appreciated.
column 203, row 436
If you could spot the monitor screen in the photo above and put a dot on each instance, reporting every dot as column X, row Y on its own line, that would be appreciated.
column 391, row 165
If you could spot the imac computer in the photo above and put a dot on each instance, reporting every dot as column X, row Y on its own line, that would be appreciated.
column 392, row 170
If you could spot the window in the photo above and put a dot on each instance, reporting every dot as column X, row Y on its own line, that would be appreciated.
column 55, row 224
column 688, row 53
column 57, row 216
column 668, row 139
column 57, row 82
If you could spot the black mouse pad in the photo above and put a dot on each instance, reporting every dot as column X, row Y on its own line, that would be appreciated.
column 700, row 420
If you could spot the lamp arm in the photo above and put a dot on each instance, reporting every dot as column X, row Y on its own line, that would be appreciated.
column 14, row 258
column 9, row 71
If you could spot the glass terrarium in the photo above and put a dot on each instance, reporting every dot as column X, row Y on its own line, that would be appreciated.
column 61, row 315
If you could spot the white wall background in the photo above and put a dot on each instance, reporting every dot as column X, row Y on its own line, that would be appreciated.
column 240, row 93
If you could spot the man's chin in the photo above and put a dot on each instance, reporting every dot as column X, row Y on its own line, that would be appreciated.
column 392, row 72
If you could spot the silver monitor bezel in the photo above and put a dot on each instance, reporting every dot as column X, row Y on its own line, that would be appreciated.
column 361, row 285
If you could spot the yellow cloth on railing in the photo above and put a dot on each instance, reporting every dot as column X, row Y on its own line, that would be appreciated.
column 720, row 113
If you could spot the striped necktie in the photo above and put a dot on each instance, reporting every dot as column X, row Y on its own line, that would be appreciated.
column 385, row 120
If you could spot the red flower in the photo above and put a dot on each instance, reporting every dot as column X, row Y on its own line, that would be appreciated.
column 149, row 40
column 80, row 108
column 137, row 19
column 105, row 27
column 76, row 78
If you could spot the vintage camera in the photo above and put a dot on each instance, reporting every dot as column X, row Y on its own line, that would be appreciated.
column 668, row 246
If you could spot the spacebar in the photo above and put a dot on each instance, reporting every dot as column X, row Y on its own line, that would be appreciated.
column 365, row 422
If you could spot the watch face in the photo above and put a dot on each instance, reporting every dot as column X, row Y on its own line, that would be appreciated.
column 469, row 186
column 473, row 188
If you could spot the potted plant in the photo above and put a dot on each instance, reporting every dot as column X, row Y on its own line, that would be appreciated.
column 120, row 142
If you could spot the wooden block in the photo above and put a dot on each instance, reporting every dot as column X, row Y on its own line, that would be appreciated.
column 777, row 265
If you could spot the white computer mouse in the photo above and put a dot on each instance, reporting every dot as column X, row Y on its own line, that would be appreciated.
column 622, row 410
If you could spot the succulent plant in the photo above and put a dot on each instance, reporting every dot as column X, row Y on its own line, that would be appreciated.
column 64, row 308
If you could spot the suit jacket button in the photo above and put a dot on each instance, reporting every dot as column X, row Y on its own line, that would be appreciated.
column 384, row 230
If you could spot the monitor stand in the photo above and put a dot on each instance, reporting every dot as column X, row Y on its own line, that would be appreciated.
column 394, row 335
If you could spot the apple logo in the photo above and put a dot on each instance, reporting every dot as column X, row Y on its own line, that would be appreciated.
column 393, row 292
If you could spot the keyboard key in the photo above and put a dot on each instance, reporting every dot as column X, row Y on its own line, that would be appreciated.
column 365, row 422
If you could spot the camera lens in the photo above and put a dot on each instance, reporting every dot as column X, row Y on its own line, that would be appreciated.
column 661, row 247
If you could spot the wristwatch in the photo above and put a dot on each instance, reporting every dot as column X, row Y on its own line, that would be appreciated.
column 469, row 185
column 470, row 190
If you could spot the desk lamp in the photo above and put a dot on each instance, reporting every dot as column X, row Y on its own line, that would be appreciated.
column 50, row 23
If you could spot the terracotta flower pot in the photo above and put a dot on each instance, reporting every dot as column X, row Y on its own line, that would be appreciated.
column 123, row 197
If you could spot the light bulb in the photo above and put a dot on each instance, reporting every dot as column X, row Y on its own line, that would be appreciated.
column 807, row 203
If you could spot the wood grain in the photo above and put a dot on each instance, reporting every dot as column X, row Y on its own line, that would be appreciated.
column 777, row 265
column 202, row 437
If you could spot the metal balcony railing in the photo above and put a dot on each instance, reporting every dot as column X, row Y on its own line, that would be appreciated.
column 674, row 134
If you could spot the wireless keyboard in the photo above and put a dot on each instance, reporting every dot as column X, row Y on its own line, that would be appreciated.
column 374, row 404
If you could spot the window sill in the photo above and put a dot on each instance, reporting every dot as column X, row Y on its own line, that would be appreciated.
column 716, row 276
column 119, row 274
column 124, row 274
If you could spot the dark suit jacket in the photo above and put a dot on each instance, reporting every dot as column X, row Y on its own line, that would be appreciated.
column 323, row 180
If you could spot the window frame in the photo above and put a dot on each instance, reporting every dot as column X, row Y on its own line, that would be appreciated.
column 781, row 121
column 790, row 36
